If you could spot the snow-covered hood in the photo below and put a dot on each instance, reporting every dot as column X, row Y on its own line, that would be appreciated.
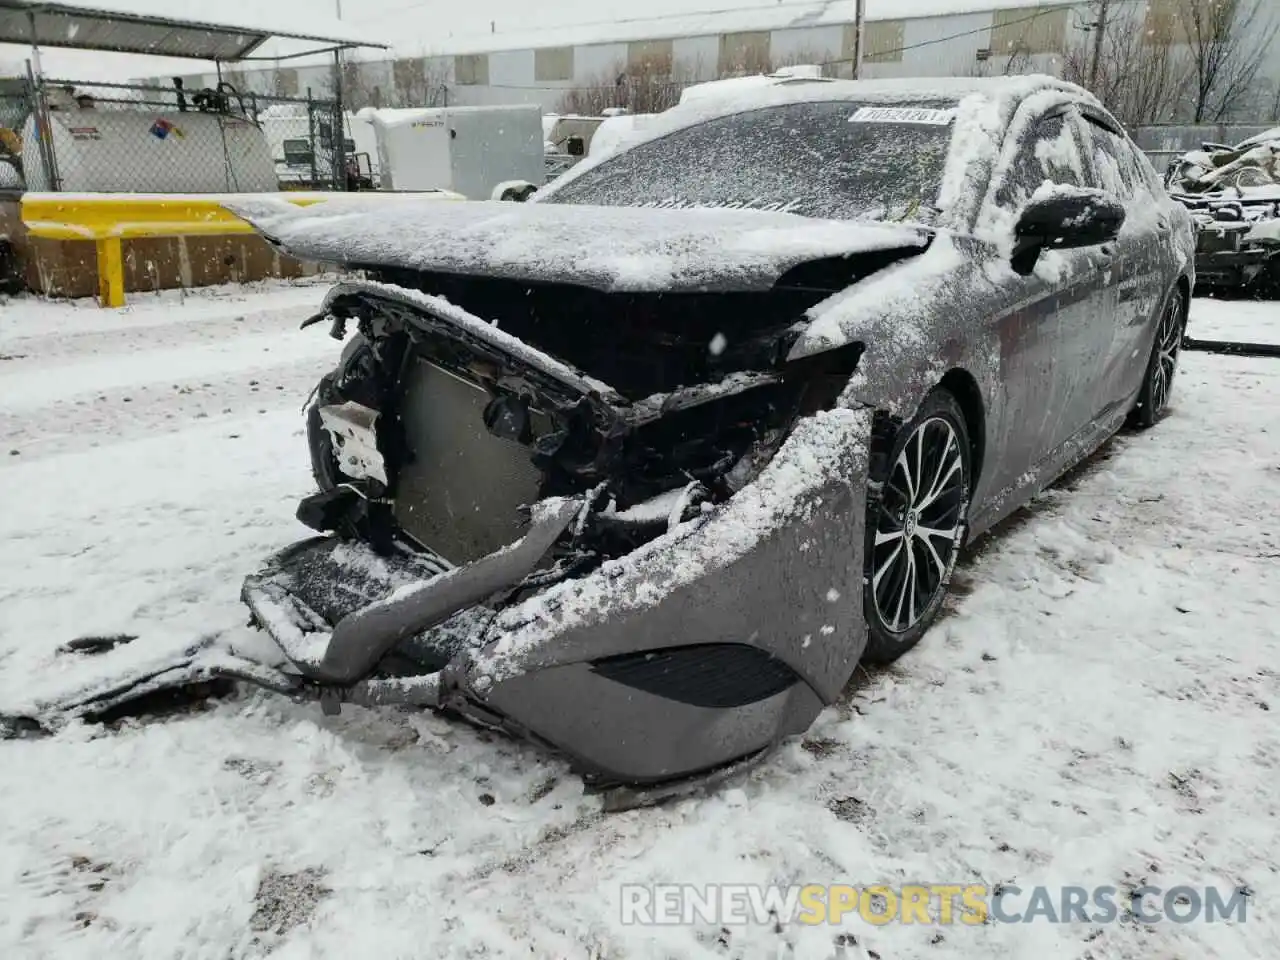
column 606, row 248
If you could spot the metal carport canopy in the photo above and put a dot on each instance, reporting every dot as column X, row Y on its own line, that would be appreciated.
column 141, row 27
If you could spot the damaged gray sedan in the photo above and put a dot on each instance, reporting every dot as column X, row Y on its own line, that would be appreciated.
column 642, row 469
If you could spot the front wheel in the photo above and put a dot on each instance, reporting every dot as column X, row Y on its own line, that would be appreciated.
column 1157, row 382
column 915, row 528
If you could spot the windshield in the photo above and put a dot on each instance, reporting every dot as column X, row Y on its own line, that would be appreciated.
column 817, row 159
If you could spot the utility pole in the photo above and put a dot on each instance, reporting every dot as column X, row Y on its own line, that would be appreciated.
column 859, row 29
column 1100, row 32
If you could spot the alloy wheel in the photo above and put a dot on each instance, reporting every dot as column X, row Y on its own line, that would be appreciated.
column 919, row 524
column 1168, row 343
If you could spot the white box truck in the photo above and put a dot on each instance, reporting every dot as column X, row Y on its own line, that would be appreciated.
column 469, row 150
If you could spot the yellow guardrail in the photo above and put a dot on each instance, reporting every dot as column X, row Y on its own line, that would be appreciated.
column 107, row 219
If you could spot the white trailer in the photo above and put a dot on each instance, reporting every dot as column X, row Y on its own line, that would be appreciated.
column 469, row 150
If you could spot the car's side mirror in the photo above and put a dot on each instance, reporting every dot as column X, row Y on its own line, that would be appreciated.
column 575, row 146
column 1065, row 219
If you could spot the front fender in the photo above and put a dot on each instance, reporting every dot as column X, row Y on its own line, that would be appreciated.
column 917, row 320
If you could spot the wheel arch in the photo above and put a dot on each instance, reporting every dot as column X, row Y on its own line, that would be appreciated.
column 1183, row 286
column 962, row 385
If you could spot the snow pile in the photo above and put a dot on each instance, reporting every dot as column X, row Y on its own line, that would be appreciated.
column 609, row 248
column 617, row 132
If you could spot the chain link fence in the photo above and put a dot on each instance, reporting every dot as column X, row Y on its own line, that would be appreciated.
column 131, row 138
column 15, row 105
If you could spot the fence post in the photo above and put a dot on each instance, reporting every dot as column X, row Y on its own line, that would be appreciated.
column 311, row 134
column 110, row 272
column 44, row 129
column 338, row 118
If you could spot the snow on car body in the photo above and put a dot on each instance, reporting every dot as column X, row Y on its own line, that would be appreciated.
column 641, row 469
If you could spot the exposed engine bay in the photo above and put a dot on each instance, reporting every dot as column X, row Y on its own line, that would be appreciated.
column 668, row 414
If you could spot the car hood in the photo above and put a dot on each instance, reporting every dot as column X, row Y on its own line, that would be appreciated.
column 605, row 248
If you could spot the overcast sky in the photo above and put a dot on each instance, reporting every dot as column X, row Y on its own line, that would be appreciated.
column 416, row 27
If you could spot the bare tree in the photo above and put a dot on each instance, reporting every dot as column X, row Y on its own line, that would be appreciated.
column 1227, row 42
column 358, row 87
column 420, row 82
column 1138, row 79
column 747, row 60
column 652, row 91
column 1017, row 63
column 639, row 90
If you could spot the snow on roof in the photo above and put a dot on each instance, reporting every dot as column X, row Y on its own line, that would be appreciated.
column 230, row 31
column 496, row 25
column 400, row 116
column 616, row 131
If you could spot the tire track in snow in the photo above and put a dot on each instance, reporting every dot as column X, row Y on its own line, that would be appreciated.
column 127, row 413
column 85, row 383
column 44, row 384
column 34, row 348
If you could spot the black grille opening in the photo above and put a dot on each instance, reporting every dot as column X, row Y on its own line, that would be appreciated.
column 714, row 675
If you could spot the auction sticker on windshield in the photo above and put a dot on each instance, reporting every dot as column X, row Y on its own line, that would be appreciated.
column 902, row 115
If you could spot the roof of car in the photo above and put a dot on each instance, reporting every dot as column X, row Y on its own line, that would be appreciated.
column 739, row 93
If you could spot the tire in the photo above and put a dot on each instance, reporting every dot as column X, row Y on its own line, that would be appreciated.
column 1157, row 381
column 935, row 446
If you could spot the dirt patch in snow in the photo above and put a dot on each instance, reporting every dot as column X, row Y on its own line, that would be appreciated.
column 287, row 900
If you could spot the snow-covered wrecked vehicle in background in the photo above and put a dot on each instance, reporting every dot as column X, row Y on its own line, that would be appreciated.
column 643, row 468
column 1233, row 194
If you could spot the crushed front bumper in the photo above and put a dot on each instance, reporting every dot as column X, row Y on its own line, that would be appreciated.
column 701, row 647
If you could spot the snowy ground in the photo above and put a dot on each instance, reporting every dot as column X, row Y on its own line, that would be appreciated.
column 1098, row 707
